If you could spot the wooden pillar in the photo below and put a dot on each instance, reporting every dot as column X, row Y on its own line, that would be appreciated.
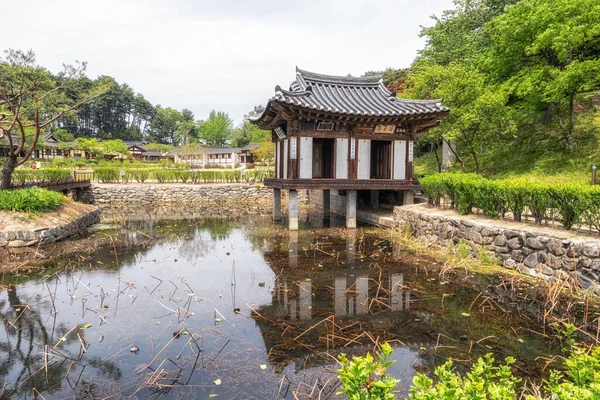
column 326, row 204
column 374, row 198
column 351, row 209
column 408, row 197
column 276, row 204
column 293, row 210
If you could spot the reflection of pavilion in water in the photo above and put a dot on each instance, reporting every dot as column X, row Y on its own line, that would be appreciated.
column 352, row 295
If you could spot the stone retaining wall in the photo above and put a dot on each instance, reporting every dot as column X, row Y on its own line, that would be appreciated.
column 540, row 254
column 153, row 194
column 49, row 235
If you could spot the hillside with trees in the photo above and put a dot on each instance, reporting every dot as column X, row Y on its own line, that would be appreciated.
column 519, row 78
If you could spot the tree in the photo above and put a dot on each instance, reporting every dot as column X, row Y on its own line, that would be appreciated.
column 186, row 128
column 216, row 130
column 479, row 117
column 248, row 133
column 63, row 135
column 458, row 35
column 546, row 52
column 30, row 101
column 164, row 125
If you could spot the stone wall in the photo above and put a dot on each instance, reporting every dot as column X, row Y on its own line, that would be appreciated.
column 545, row 253
column 154, row 194
column 51, row 234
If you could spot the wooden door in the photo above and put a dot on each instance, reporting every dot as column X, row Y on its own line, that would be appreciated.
column 383, row 160
column 317, row 159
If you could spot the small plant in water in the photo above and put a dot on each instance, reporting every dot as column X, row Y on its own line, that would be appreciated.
column 463, row 248
column 366, row 378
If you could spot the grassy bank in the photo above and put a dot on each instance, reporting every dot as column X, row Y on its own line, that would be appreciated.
column 34, row 200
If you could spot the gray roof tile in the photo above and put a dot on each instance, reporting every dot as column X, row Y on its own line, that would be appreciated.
column 353, row 96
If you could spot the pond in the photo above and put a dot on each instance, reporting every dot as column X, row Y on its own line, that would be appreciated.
column 240, row 308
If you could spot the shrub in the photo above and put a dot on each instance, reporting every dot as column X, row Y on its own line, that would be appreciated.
column 365, row 378
column 485, row 380
column 140, row 175
column 25, row 175
column 162, row 175
column 574, row 203
column 107, row 174
column 31, row 200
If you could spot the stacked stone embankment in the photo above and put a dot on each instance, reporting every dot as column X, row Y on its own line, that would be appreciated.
column 22, row 238
column 545, row 253
column 154, row 194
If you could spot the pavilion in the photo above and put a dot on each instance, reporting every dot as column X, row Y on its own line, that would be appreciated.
column 339, row 135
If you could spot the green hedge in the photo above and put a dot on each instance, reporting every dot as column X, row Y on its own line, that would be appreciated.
column 572, row 203
column 23, row 175
column 30, row 200
column 113, row 175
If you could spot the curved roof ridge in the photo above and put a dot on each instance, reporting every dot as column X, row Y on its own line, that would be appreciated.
column 292, row 93
column 414, row 101
column 351, row 80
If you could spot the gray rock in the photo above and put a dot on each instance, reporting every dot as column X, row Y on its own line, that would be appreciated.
column 500, row 240
column 555, row 247
column 515, row 243
column 534, row 244
column 531, row 261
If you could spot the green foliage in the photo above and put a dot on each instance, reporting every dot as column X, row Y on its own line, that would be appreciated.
column 216, row 130
column 575, row 203
column 484, row 381
column 107, row 174
column 63, row 135
column 463, row 249
column 577, row 377
column 25, row 175
column 32, row 200
column 366, row 378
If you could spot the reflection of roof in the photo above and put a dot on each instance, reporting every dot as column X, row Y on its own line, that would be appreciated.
column 348, row 96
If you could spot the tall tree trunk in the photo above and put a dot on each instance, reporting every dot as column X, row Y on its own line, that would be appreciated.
column 571, row 123
column 7, row 170
column 476, row 161
column 434, row 148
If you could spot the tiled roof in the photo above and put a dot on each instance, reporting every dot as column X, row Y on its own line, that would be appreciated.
column 349, row 96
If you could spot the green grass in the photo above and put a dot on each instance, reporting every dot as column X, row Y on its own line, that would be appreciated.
column 33, row 200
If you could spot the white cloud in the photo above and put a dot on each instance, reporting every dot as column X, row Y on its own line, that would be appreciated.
column 222, row 54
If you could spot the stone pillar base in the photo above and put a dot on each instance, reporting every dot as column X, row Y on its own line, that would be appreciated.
column 293, row 210
column 351, row 209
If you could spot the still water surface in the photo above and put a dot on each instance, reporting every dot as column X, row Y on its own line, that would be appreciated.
column 241, row 309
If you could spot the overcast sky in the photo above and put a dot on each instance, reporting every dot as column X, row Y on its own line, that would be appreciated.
column 221, row 54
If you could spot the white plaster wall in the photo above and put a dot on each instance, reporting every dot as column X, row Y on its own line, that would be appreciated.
column 306, row 148
column 399, row 159
column 341, row 158
column 277, row 160
column 364, row 159
column 285, row 159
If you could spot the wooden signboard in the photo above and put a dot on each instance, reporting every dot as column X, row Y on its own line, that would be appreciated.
column 385, row 129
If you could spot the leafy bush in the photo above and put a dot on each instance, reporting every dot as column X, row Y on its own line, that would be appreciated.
column 365, row 378
column 484, row 381
column 25, row 175
column 31, row 200
column 578, row 377
column 140, row 175
column 162, row 175
column 107, row 174
column 575, row 203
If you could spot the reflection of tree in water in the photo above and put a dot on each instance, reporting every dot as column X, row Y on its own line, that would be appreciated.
column 24, row 343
